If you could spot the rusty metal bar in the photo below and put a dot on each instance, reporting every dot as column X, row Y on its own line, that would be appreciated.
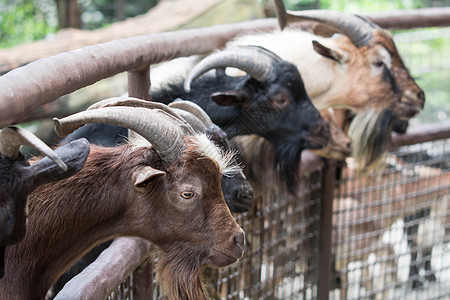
column 325, row 233
column 113, row 265
column 139, row 84
column 40, row 82
column 412, row 18
column 421, row 134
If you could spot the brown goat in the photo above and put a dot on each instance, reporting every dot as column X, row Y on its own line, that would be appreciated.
column 168, row 193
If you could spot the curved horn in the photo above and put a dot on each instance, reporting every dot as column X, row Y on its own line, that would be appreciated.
column 11, row 138
column 281, row 13
column 250, row 60
column 194, row 109
column 357, row 28
column 136, row 102
column 162, row 130
column 193, row 121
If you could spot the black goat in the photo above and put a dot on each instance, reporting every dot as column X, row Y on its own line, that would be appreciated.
column 18, row 178
column 270, row 101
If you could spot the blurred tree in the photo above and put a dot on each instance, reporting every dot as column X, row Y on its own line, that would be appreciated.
column 69, row 14
column 24, row 21
column 100, row 13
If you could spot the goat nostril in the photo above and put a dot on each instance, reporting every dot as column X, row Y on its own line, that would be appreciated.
column 316, row 129
column 421, row 96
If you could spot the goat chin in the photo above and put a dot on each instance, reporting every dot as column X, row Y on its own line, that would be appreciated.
column 370, row 134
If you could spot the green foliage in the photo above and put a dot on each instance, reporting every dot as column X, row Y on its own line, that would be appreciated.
column 101, row 13
column 425, row 54
column 23, row 21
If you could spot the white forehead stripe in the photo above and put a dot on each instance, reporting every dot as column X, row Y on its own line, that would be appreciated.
column 224, row 159
column 205, row 147
column 385, row 56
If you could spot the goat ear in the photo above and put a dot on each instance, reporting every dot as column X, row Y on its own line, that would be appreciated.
column 228, row 98
column 335, row 55
column 145, row 176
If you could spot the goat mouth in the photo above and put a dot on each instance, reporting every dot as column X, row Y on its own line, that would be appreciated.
column 220, row 258
column 316, row 142
column 406, row 111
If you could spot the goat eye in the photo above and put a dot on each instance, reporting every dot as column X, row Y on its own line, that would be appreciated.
column 378, row 63
column 187, row 195
column 281, row 102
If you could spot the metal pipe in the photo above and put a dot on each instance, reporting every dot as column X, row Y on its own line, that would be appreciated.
column 325, row 230
column 139, row 84
column 40, row 82
column 412, row 18
column 113, row 265
column 421, row 134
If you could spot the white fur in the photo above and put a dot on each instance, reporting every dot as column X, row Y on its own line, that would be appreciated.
column 296, row 47
column 224, row 159
column 204, row 146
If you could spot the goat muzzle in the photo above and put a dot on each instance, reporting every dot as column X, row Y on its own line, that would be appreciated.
column 228, row 251
column 415, row 99
column 319, row 136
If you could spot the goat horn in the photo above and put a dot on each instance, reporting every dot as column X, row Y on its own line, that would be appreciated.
column 358, row 29
column 282, row 16
column 251, row 60
column 11, row 138
column 136, row 102
column 164, row 131
column 193, row 121
column 194, row 109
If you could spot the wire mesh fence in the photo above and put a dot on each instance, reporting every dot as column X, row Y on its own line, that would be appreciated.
column 390, row 231
column 281, row 248
column 391, row 236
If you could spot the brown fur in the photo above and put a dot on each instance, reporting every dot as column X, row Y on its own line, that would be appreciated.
column 338, row 146
column 69, row 217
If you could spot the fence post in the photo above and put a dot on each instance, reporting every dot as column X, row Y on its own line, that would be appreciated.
column 139, row 87
column 325, row 230
column 139, row 83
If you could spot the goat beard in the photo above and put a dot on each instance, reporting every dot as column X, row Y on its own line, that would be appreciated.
column 180, row 275
column 287, row 163
column 370, row 133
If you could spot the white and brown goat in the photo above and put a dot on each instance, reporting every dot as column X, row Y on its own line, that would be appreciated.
column 163, row 186
column 359, row 70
